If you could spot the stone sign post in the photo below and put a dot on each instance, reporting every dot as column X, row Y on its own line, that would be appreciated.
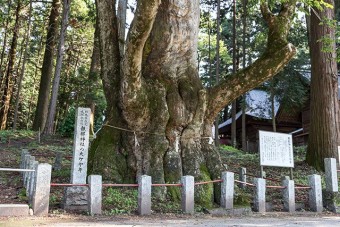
column 76, row 197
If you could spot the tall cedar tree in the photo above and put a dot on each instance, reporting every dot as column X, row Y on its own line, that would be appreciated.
column 324, row 102
column 9, row 76
column 47, row 68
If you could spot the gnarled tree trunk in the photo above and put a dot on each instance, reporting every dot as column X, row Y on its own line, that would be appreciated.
column 159, row 115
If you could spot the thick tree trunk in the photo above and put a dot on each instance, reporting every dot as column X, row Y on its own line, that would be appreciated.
column 9, row 80
column 159, row 114
column 47, row 67
column 324, row 105
column 23, row 67
column 4, row 46
column 49, row 128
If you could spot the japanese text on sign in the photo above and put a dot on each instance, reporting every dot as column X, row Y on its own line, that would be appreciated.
column 276, row 149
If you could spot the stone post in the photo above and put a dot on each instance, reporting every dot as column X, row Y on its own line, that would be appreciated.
column 30, row 175
column 32, row 183
column 95, row 194
column 144, row 195
column 58, row 161
column 288, row 195
column 330, row 194
column 227, row 190
column 41, row 194
column 315, row 193
column 76, row 197
column 25, row 166
column 188, row 190
column 260, row 195
column 243, row 177
column 331, row 175
column 22, row 161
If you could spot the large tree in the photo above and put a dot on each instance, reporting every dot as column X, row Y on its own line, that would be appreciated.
column 47, row 68
column 324, row 102
column 159, row 115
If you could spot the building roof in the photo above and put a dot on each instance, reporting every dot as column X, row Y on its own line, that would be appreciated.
column 258, row 105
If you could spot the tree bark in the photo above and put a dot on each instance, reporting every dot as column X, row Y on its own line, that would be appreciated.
column 49, row 128
column 218, row 38
column 159, row 114
column 244, row 104
column 9, row 80
column 22, row 72
column 4, row 46
column 324, row 105
column 233, row 106
column 41, row 111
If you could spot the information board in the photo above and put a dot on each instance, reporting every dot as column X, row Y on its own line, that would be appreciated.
column 276, row 149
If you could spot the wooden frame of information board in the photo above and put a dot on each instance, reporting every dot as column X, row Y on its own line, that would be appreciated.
column 276, row 149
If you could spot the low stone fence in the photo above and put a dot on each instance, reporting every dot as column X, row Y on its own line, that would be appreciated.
column 37, row 181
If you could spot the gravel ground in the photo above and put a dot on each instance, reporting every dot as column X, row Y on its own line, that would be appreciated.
column 268, row 219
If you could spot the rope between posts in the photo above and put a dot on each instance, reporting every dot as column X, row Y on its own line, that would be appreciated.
column 208, row 182
column 120, row 185
column 303, row 187
column 274, row 186
column 68, row 185
column 242, row 182
column 159, row 185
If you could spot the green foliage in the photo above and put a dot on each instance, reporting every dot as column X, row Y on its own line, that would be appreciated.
column 6, row 135
column 120, row 201
column 22, row 195
column 67, row 127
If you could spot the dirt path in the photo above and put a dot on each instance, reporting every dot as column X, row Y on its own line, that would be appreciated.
column 270, row 219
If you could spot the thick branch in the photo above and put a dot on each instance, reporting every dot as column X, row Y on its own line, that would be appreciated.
column 109, row 50
column 131, row 86
column 262, row 69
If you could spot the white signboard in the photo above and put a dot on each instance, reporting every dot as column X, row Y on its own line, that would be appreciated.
column 276, row 149
column 80, row 146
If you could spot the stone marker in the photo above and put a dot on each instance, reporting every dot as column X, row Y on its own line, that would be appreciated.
column 315, row 193
column 14, row 210
column 331, row 175
column 242, row 177
column 76, row 197
column 95, row 194
column 227, row 190
column 188, row 190
column 30, row 175
column 331, row 197
column 58, row 161
column 260, row 195
column 41, row 194
column 32, row 182
column 22, row 161
column 144, row 195
column 288, row 195
column 25, row 166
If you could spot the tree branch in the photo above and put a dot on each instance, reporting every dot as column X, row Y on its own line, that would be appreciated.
column 237, row 84
column 109, row 51
column 277, row 54
column 132, row 94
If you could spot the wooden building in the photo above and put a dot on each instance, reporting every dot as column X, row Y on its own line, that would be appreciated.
column 258, row 117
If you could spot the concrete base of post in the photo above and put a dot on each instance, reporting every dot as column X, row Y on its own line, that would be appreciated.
column 75, row 198
column 260, row 195
column 315, row 193
column 41, row 196
column 188, row 190
column 144, row 195
column 331, row 201
column 227, row 190
column 288, row 195
column 95, row 194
